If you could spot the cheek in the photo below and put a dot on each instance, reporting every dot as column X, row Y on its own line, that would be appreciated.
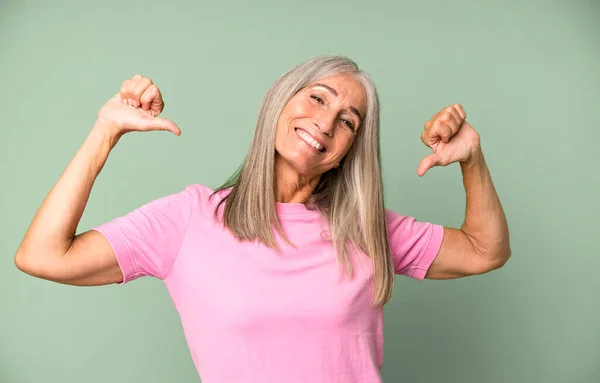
column 280, row 135
column 287, row 115
column 341, row 151
column 283, row 132
column 300, row 109
column 296, row 108
column 344, row 146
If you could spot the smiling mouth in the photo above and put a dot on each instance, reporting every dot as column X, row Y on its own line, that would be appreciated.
column 309, row 140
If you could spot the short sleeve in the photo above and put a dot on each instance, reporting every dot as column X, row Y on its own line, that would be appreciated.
column 414, row 244
column 147, row 240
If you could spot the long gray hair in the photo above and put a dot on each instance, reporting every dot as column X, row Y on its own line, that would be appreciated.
column 350, row 197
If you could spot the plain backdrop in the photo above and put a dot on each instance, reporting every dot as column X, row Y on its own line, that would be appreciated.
column 527, row 74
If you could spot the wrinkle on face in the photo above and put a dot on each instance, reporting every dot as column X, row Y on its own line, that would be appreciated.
column 330, row 111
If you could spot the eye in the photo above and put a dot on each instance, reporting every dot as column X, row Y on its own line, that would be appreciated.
column 316, row 98
column 348, row 123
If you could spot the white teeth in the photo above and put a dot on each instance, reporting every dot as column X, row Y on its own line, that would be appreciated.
column 310, row 140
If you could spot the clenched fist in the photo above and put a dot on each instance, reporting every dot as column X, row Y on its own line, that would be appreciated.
column 450, row 137
column 135, row 108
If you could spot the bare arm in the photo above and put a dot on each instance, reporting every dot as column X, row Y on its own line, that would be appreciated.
column 50, row 249
column 482, row 243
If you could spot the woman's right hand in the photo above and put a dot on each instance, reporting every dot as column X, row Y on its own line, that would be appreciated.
column 135, row 108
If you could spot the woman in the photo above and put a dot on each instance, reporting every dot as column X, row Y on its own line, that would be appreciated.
column 281, row 274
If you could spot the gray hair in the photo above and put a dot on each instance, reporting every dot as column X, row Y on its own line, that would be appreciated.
column 350, row 197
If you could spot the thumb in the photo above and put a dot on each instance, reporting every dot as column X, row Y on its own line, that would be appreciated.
column 428, row 162
column 159, row 123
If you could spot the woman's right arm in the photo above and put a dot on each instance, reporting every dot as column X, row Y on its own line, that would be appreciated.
column 50, row 249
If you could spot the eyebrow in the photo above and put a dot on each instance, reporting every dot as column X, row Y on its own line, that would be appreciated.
column 335, row 93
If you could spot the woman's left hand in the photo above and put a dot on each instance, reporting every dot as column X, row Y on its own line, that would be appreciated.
column 450, row 137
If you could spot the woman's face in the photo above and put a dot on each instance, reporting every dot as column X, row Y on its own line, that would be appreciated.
column 318, row 125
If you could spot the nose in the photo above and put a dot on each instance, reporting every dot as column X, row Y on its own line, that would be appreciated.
column 325, row 122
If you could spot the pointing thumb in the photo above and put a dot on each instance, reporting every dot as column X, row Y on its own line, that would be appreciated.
column 427, row 163
column 159, row 123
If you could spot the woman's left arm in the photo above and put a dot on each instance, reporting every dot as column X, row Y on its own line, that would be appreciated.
column 482, row 243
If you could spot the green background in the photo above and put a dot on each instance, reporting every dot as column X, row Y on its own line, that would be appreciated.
column 528, row 76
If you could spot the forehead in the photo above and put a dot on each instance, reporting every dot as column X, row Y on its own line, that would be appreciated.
column 349, row 90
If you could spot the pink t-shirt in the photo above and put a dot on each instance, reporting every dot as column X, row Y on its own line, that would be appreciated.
column 251, row 314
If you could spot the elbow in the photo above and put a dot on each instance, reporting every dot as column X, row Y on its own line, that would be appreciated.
column 23, row 262
column 40, row 264
column 28, row 264
column 501, row 259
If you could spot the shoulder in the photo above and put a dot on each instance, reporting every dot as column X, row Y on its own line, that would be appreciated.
column 198, row 192
column 396, row 221
column 200, row 195
column 413, row 244
column 405, row 227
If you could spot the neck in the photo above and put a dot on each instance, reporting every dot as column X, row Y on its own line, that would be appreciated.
column 290, row 186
